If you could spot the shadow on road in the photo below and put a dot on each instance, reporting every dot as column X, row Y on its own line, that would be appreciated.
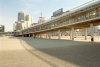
column 84, row 54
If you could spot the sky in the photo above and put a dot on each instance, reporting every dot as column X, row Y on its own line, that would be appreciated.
column 9, row 9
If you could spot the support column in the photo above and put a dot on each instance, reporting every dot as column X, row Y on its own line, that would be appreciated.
column 49, row 35
column 85, row 33
column 25, row 35
column 92, row 31
column 29, row 35
column 40, row 35
column 34, row 36
column 46, row 36
column 72, row 33
column 59, row 34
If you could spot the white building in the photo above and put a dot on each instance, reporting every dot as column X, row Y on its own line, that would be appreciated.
column 24, row 21
column 15, row 26
column 29, row 20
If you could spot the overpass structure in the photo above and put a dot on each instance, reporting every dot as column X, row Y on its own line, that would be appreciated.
column 84, row 16
column 10, row 33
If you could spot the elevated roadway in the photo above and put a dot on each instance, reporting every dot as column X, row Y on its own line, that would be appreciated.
column 84, row 16
column 81, row 17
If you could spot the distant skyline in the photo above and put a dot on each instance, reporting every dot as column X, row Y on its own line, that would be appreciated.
column 9, row 9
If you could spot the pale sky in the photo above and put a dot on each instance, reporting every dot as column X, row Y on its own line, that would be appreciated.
column 9, row 9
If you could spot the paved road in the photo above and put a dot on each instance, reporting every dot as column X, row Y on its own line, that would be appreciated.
column 30, row 52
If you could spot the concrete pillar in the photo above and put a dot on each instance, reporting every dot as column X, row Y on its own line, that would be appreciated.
column 40, row 35
column 72, row 33
column 92, row 31
column 46, row 36
column 59, row 34
column 25, row 35
column 49, row 35
column 29, row 35
column 85, row 33
column 34, row 35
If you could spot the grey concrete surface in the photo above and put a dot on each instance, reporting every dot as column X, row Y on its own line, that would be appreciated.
column 30, row 52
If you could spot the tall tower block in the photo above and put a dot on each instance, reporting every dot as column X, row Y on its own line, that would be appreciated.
column 20, row 16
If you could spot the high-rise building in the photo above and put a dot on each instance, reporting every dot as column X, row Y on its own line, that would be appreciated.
column 2, row 28
column 17, row 26
column 24, row 21
column 20, row 16
column 29, row 20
